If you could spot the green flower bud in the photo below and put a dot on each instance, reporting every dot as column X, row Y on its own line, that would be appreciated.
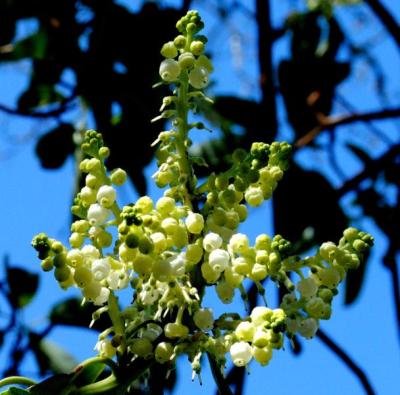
column 199, row 77
column 142, row 347
column 180, row 42
column 76, row 240
column 204, row 61
column 186, row 61
column 194, row 253
column 83, row 276
column 262, row 355
column 143, row 264
column 62, row 273
column 163, row 352
column 169, row 50
column 47, row 264
column 104, row 152
column 197, row 47
column 245, row 331
column 225, row 292
column 118, row 177
column 176, row 331
column 203, row 318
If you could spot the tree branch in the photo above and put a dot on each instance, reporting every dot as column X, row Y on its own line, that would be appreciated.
column 222, row 385
column 390, row 261
column 370, row 170
column 386, row 18
column 330, row 122
column 265, row 42
column 51, row 113
column 347, row 360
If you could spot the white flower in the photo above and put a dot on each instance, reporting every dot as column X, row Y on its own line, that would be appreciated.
column 106, row 196
column 219, row 260
column 101, row 268
column 97, row 215
column 212, row 241
column 240, row 353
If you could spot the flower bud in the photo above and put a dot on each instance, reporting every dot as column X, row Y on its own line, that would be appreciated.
column 194, row 223
column 254, row 196
column 203, row 318
column 169, row 50
column 164, row 352
column 118, row 177
column 199, row 78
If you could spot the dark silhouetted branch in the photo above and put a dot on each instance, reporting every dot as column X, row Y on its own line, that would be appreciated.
column 370, row 170
column 390, row 261
column 332, row 122
column 347, row 360
column 386, row 18
column 222, row 385
column 45, row 114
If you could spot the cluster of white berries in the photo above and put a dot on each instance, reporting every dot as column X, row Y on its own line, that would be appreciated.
column 170, row 250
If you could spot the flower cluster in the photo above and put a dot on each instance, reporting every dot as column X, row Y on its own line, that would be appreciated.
column 169, row 251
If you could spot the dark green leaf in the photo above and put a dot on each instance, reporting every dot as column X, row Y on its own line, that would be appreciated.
column 53, row 385
column 70, row 312
column 247, row 113
column 22, row 285
column 307, row 209
column 354, row 282
column 33, row 47
column 54, row 147
column 15, row 391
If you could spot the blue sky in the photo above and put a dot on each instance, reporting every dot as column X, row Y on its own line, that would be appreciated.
column 33, row 200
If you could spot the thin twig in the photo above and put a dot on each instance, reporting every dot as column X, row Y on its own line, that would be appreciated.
column 347, row 360
column 386, row 18
column 331, row 122
column 374, row 129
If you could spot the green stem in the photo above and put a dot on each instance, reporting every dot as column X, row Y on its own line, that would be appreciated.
column 101, row 386
column 17, row 380
column 182, row 134
column 115, row 316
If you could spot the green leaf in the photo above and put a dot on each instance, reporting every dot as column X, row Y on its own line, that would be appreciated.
column 52, row 385
column 22, row 286
column 89, row 374
column 34, row 47
column 199, row 161
column 50, row 356
column 15, row 391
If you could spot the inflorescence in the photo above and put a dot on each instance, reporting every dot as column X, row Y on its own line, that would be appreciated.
column 171, row 250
